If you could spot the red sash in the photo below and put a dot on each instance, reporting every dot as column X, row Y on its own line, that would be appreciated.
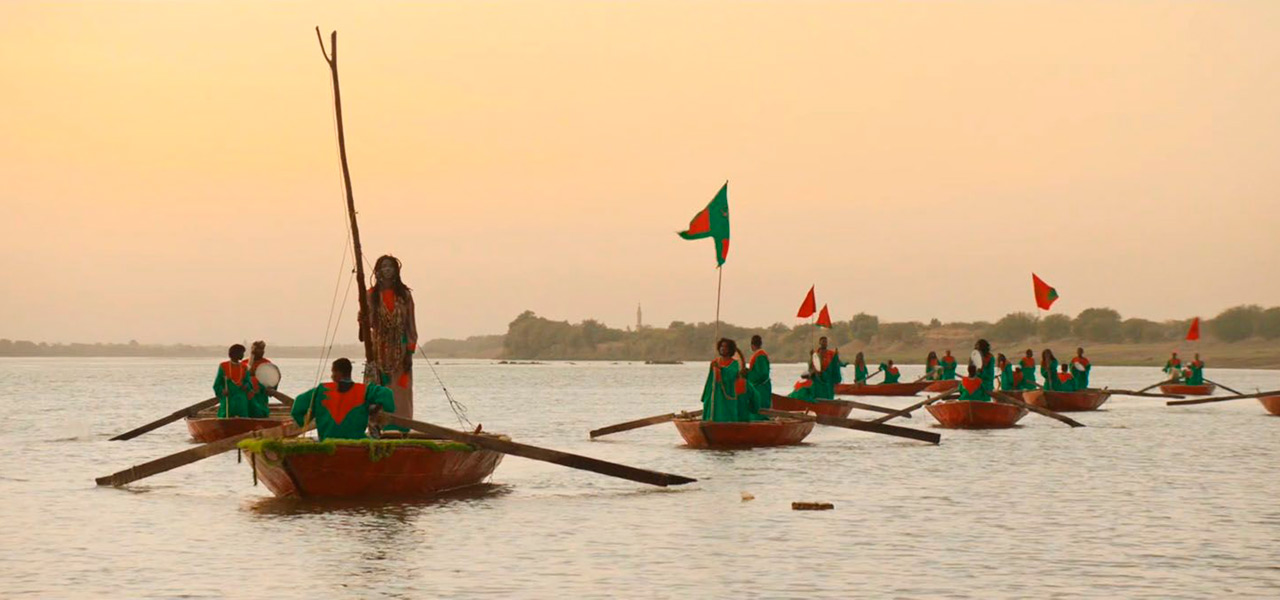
column 1080, row 360
column 1028, row 362
column 1065, row 377
column 237, row 375
column 340, row 403
column 826, row 356
column 752, row 363
column 948, row 360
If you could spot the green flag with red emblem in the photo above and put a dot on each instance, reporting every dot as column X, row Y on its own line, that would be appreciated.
column 713, row 222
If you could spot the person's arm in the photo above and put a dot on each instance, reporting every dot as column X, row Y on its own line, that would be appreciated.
column 382, row 397
column 300, row 407
column 220, row 384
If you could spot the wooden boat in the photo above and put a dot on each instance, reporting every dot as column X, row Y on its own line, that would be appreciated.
column 1066, row 401
column 416, row 467
column 943, row 386
column 882, row 389
column 1271, row 403
column 794, row 405
column 967, row 414
column 776, row 432
column 206, row 427
column 1205, row 389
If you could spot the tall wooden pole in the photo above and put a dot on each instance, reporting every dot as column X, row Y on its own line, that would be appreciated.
column 331, row 57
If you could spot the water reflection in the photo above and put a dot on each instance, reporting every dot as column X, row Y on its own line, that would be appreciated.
column 378, row 508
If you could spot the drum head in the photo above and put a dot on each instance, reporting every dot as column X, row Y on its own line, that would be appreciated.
column 268, row 375
column 817, row 361
column 1077, row 366
column 975, row 359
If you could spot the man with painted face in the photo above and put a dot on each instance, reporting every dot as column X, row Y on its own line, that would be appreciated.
column 231, row 385
column 341, row 408
column 395, row 335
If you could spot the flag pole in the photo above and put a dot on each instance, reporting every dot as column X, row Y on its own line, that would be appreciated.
column 719, row 283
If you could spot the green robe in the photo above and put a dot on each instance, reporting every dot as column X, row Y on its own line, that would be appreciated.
column 948, row 368
column 340, row 415
column 258, row 397
column 1172, row 368
column 1081, row 377
column 979, row 395
column 932, row 372
column 861, row 373
column 1197, row 374
column 759, row 386
column 1064, row 386
column 233, row 395
column 824, row 382
column 1028, row 374
column 988, row 373
column 1050, row 373
column 890, row 375
column 721, row 399
column 1006, row 377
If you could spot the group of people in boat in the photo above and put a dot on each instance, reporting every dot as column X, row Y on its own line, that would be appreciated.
column 340, row 408
column 1191, row 373
column 737, row 388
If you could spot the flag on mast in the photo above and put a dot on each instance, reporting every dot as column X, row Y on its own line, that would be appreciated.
column 1193, row 333
column 713, row 222
column 1045, row 294
column 824, row 318
column 809, row 306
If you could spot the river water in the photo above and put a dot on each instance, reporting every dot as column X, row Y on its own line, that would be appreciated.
column 1147, row 501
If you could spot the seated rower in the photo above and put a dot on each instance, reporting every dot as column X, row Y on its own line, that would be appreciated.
column 860, row 371
column 1173, row 367
column 1194, row 374
column 948, row 367
column 724, row 396
column 231, row 385
column 972, row 388
column 891, row 373
column 341, row 408
column 258, row 398
column 1027, row 368
column 932, row 368
column 1066, row 381
column 1009, row 378
column 1080, row 367
column 759, row 385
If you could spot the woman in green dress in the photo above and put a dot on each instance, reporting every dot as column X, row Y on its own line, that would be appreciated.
column 725, row 395
column 1049, row 370
column 932, row 368
column 860, row 371
column 1008, row 377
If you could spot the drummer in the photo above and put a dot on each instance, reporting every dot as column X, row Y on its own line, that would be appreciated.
column 825, row 371
column 1081, row 367
column 340, row 408
column 258, row 397
column 231, row 385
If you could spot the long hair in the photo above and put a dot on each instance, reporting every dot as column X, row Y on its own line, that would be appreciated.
column 1001, row 359
column 984, row 346
column 733, row 346
column 859, row 360
column 932, row 359
column 1047, row 356
column 396, row 285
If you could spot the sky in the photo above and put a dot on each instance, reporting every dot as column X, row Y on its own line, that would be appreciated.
column 169, row 170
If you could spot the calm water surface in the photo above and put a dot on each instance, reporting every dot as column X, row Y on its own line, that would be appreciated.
column 1147, row 501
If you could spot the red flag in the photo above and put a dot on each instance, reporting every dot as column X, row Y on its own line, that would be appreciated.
column 1045, row 295
column 1193, row 334
column 824, row 318
column 809, row 306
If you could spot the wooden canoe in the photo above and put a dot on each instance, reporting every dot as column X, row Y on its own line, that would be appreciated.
column 1205, row 389
column 882, row 389
column 415, row 468
column 1271, row 403
column 966, row 414
column 943, row 387
column 777, row 432
column 206, row 427
column 827, row 410
column 1066, row 401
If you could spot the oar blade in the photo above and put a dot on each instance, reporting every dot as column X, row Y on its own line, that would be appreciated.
column 638, row 423
column 186, row 457
column 161, row 422
column 868, row 426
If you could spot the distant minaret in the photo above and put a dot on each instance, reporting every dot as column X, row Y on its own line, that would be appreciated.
column 639, row 317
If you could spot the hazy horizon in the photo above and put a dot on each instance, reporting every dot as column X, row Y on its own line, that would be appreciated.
column 171, row 174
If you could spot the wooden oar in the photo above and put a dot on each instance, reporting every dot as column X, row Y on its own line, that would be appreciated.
column 926, row 375
column 158, row 423
column 1141, row 394
column 864, row 380
column 870, row 426
column 638, row 423
column 841, row 402
column 1221, row 398
column 565, row 459
column 917, row 406
column 201, row 452
column 1170, row 380
column 1007, row 399
column 1237, row 392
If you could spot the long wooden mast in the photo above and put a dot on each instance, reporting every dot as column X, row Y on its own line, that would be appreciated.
column 331, row 57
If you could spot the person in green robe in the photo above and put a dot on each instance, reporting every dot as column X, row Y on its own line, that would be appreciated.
column 1027, row 367
column 1173, row 367
column 1195, row 371
column 891, row 374
column 759, row 385
column 258, row 396
column 972, row 388
column 1008, row 376
column 1049, row 370
column 341, row 408
column 932, row 368
column 986, row 370
column 725, row 395
column 948, row 366
column 1080, row 369
column 231, row 385
column 860, row 371
column 1066, row 381
column 825, row 370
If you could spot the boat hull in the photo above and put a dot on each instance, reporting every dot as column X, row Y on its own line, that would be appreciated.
column 709, row 434
column 1189, row 390
column 966, row 414
column 943, row 387
column 882, row 389
column 1271, row 403
column 350, row 472
column 212, row 429
column 1067, row 401
column 794, row 405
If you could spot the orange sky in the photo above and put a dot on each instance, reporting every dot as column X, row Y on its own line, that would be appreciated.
column 170, row 173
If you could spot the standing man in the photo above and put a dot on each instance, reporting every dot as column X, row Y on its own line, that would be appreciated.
column 258, row 397
column 1080, row 368
column 825, row 372
column 1027, row 367
column 759, row 385
column 986, row 370
column 948, row 367
column 1195, row 371
column 1173, row 367
column 231, row 385
column 341, row 408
